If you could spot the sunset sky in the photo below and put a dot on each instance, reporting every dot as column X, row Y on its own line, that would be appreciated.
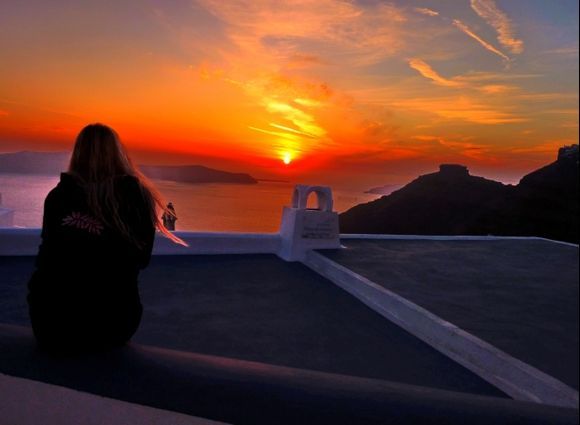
column 355, row 93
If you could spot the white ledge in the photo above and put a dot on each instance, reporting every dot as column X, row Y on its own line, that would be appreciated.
column 24, row 241
column 382, row 236
column 219, row 243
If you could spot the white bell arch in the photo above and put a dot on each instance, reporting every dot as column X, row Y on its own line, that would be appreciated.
column 323, row 197
column 303, row 229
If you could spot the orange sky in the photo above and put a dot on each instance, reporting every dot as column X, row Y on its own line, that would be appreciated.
column 355, row 93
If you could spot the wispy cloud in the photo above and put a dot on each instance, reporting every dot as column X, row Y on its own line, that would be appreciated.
column 480, row 76
column 426, row 71
column 569, row 51
column 497, row 89
column 568, row 111
column 461, row 146
column 301, row 119
column 489, row 11
column 461, row 108
column 548, row 147
column 494, row 17
column 459, row 81
column 480, row 40
column 292, row 130
column 289, row 30
column 570, row 124
column 276, row 133
column 426, row 11
column 302, row 60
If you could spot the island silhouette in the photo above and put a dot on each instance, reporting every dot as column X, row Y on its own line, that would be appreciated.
column 52, row 163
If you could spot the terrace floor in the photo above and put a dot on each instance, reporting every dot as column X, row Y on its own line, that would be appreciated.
column 261, row 308
column 519, row 295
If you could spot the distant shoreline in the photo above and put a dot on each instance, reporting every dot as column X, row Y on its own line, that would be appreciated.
column 152, row 178
column 274, row 180
column 53, row 163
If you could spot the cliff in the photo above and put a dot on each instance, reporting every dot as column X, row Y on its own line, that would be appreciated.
column 545, row 202
column 386, row 189
column 452, row 202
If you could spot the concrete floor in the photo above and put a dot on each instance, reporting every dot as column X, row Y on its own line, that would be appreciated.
column 260, row 308
column 55, row 404
column 519, row 295
column 234, row 391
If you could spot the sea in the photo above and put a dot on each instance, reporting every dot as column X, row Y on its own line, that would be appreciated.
column 217, row 207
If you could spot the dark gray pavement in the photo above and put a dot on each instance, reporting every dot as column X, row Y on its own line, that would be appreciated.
column 260, row 308
column 519, row 295
column 242, row 392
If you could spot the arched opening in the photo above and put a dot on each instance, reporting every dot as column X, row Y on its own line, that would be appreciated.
column 313, row 201
column 303, row 198
column 323, row 200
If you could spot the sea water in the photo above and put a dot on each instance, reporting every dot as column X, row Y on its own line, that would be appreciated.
column 200, row 207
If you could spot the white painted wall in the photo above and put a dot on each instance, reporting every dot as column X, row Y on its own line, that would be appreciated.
column 304, row 229
column 301, row 230
column 21, row 241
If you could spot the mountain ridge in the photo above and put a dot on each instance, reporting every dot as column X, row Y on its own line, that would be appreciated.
column 453, row 202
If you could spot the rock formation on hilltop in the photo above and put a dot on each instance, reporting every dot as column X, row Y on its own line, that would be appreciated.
column 452, row 202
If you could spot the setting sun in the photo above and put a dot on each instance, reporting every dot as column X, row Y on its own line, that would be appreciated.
column 287, row 158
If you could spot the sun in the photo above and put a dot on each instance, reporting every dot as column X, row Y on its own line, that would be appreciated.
column 287, row 158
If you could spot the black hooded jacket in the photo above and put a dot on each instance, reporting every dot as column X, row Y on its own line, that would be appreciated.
column 84, row 290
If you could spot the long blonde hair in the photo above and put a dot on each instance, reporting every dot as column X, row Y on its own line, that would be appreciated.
column 97, row 160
